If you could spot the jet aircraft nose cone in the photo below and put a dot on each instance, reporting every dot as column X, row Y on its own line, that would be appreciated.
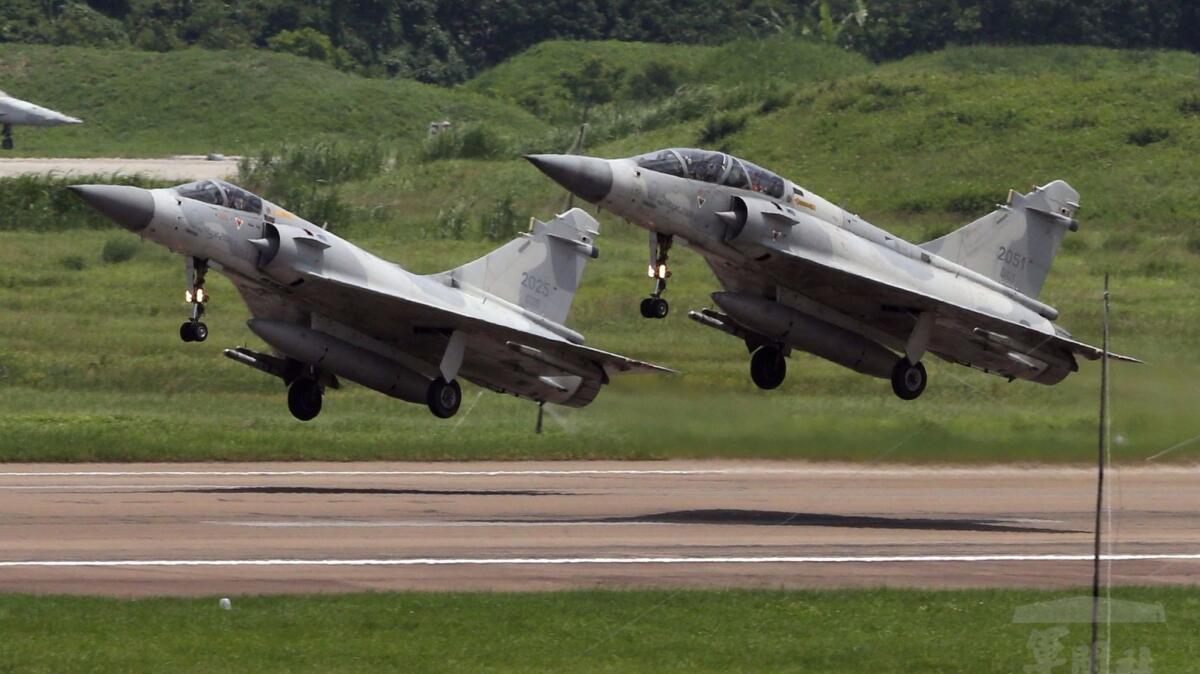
column 129, row 207
column 589, row 178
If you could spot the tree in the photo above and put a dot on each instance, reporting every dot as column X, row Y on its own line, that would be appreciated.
column 593, row 84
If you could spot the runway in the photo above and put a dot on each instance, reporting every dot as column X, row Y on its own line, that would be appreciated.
column 181, row 167
column 228, row 529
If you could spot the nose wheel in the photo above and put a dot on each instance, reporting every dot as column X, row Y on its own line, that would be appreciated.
column 655, row 306
column 194, row 330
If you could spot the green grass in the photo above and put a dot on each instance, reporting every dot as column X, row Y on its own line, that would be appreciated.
column 90, row 366
column 588, row 631
column 137, row 103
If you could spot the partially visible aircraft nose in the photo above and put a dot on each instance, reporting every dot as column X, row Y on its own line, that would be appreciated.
column 129, row 207
column 589, row 178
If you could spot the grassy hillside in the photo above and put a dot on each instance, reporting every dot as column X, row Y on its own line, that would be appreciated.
column 919, row 146
column 198, row 101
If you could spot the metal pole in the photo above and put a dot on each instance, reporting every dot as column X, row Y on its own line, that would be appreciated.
column 1102, row 454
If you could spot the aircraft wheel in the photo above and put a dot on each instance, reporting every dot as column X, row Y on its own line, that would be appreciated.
column 187, row 332
column 7, row 144
column 908, row 380
column 443, row 398
column 768, row 367
column 304, row 399
column 655, row 307
column 199, row 332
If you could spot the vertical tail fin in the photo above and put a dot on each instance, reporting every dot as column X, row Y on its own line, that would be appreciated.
column 1016, row 243
column 539, row 271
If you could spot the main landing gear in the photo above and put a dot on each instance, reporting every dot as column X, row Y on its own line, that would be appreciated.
column 655, row 306
column 304, row 398
column 194, row 330
column 908, row 376
column 768, row 367
column 7, row 142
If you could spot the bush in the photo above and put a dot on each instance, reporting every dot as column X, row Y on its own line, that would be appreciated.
column 309, row 43
column 719, row 126
column 73, row 263
column 119, row 249
column 654, row 80
column 471, row 142
column 451, row 222
column 502, row 222
column 970, row 202
column 1193, row 244
column 1190, row 105
column 1122, row 241
column 1147, row 135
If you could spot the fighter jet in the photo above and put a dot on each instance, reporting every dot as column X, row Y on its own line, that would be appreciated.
column 14, row 111
column 801, row 273
column 330, row 310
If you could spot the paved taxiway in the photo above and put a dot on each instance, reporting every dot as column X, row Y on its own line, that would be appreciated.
column 183, row 529
column 181, row 168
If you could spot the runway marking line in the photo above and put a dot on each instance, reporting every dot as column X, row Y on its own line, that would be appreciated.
column 807, row 470
column 538, row 561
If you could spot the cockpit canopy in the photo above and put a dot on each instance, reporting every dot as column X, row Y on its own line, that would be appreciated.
column 221, row 193
column 713, row 167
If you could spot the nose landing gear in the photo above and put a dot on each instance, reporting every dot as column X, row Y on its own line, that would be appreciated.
column 7, row 142
column 655, row 306
column 194, row 330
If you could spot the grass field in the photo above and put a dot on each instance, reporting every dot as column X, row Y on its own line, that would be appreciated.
column 91, row 367
column 689, row 631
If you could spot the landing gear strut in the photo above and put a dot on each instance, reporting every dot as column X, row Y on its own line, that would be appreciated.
column 768, row 367
column 655, row 306
column 304, row 398
column 7, row 142
column 194, row 330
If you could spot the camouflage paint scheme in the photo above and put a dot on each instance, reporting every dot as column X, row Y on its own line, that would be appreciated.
column 329, row 308
column 800, row 272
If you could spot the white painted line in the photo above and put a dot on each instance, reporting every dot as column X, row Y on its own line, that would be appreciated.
column 530, row 561
column 120, row 486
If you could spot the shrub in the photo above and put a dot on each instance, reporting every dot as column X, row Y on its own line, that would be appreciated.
column 471, row 142
column 1122, row 241
column 119, row 249
column 1147, row 135
column 73, row 263
column 502, row 222
column 654, row 80
column 451, row 222
column 1193, row 244
column 719, row 126
column 970, row 202
column 1190, row 105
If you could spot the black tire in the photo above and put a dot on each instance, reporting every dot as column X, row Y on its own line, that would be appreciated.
column 199, row 332
column 659, row 308
column 443, row 398
column 304, row 399
column 908, row 380
column 646, row 307
column 768, row 367
column 187, row 332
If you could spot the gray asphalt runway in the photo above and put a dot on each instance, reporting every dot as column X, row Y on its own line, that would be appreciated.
column 180, row 529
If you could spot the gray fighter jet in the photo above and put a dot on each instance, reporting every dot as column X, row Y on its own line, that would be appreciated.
column 14, row 111
column 801, row 273
column 330, row 309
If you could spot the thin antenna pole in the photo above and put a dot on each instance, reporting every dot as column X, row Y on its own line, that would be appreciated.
column 1100, row 461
